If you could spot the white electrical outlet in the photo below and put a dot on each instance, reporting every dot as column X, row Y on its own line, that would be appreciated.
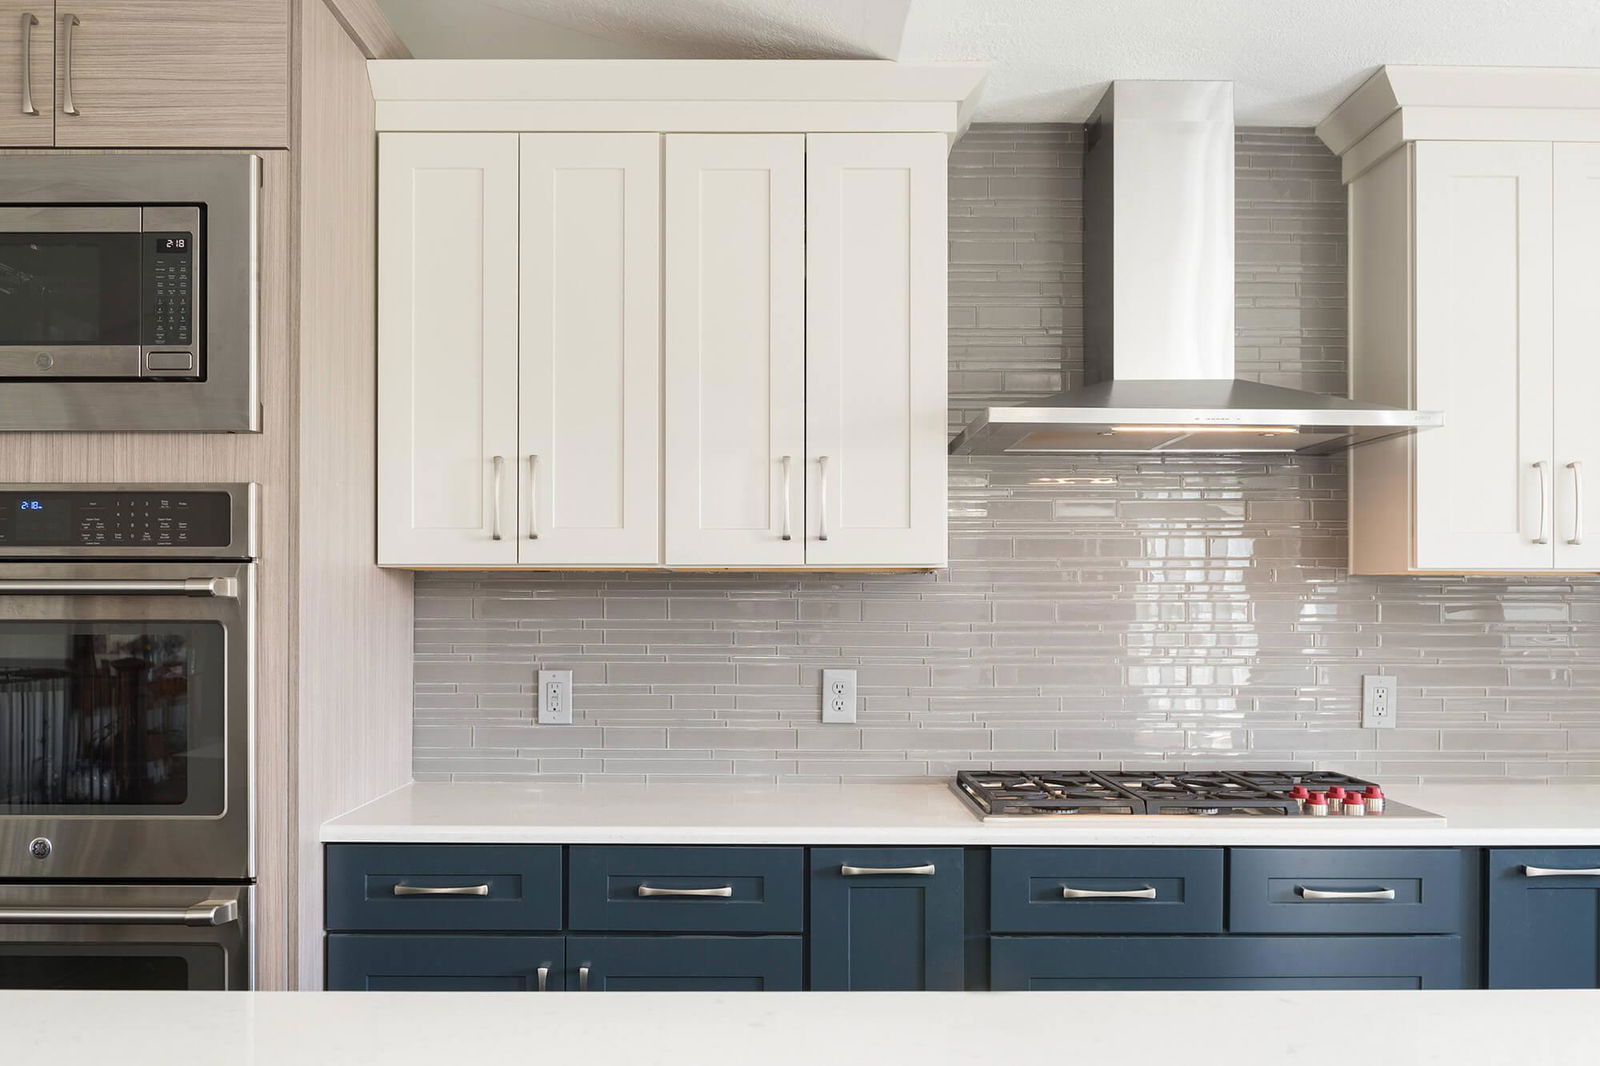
column 555, row 697
column 839, row 696
column 1377, row 701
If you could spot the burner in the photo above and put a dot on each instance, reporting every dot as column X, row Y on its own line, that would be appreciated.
column 1049, row 792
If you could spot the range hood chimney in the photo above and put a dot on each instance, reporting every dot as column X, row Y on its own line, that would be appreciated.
column 1158, row 304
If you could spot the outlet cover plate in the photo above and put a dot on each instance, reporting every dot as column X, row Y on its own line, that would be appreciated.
column 1378, row 698
column 555, row 697
column 839, row 696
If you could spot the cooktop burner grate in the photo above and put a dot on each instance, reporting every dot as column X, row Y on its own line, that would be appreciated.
column 1061, row 793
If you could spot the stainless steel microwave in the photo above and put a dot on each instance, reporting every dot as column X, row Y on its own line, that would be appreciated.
column 128, row 292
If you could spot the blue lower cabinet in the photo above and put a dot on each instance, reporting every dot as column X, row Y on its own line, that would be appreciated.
column 684, row 963
column 443, row 887
column 1227, row 962
column 389, row 962
column 1350, row 890
column 886, row 919
column 1544, row 918
column 687, row 890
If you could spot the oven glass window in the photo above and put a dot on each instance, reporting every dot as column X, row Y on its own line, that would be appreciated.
column 94, row 970
column 69, row 289
column 112, row 716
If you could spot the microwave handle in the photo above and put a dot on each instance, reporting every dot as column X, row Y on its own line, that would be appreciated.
column 207, row 912
column 221, row 587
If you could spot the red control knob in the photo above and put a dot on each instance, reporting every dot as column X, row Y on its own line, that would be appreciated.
column 1317, row 799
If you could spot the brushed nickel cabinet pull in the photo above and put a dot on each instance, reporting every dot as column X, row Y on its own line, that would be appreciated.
column 925, row 870
column 583, row 978
column 720, row 890
column 788, row 525
column 822, row 497
column 1577, row 503
column 544, row 978
column 1553, row 871
column 445, row 890
column 533, row 497
column 499, row 482
column 67, row 106
column 29, row 21
column 1376, row 894
column 1147, row 892
column 1544, row 501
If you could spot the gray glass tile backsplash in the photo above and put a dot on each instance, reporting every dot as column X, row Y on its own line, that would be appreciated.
column 1097, row 611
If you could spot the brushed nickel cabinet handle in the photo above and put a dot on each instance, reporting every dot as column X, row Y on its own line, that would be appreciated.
column 533, row 497
column 1544, row 501
column 788, row 511
column 583, row 978
column 544, row 978
column 1553, row 871
column 1376, row 894
column 499, row 462
column 720, row 890
column 443, row 890
column 29, row 21
column 67, row 106
column 822, row 498
column 925, row 870
column 1147, row 892
column 1577, row 503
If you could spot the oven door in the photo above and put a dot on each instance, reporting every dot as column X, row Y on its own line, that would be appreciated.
column 125, row 720
column 125, row 937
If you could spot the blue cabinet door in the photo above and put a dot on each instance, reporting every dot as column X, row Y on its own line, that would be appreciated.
column 1544, row 918
column 391, row 962
column 1226, row 962
column 886, row 919
column 684, row 963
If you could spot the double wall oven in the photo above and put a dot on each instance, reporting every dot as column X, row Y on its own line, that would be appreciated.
column 127, row 661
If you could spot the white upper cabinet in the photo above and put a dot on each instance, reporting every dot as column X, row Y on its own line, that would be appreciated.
column 590, row 385
column 735, row 260
column 1577, row 356
column 876, row 362
column 447, row 349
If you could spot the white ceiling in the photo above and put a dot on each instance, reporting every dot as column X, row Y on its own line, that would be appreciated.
column 1291, row 60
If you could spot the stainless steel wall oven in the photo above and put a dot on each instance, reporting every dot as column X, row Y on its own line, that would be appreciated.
column 127, row 663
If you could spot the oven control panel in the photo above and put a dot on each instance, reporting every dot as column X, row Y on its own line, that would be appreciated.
column 111, row 520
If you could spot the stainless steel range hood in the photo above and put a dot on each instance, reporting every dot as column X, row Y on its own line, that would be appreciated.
column 1158, row 304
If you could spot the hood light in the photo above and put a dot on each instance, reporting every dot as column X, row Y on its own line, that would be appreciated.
column 1266, row 431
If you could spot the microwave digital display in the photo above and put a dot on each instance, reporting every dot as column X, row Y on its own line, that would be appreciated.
column 172, row 245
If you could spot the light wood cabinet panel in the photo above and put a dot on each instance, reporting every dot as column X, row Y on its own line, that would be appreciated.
column 1577, row 356
column 202, row 73
column 447, row 348
column 27, row 27
column 735, row 350
column 1485, row 481
column 590, row 382
column 876, row 354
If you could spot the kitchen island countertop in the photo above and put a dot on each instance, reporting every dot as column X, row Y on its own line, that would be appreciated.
column 1487, row 815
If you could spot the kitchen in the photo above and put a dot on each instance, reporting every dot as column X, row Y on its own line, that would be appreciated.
column 650, row 522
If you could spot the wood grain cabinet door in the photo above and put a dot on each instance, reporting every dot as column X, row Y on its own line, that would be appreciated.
column 27, row 99
column 154, row 73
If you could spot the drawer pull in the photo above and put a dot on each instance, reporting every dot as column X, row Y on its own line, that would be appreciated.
column 583, row 978
column 1371, row 894
column 443, row 890
column 720, row 890
column 925, row 870
column 544, row 978
column 1147, row 892
column 1551, row 871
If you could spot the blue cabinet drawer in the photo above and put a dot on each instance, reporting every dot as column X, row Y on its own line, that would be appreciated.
column 1348, row 890
column 1544, row 918
column 1106, row 890
column 1084, row 963
column 388, row 962
column 703, row 890
column 684, row 963
column 444, row 887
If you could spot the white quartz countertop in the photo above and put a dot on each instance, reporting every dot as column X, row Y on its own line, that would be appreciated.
column 797, row 1028
column 1478, row 815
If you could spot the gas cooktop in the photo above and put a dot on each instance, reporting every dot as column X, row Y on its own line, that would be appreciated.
column 1011, row 794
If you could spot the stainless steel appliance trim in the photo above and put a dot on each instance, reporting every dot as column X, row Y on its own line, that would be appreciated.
column 101, row 842
column 52, row 362
column 924, row 870
column 29, row 21
column 220, row 954
column 71, row 219
column 244, row 505
column 1553, row 871
column 441, row 890
column 1374, row 895
column 1068, row 892
column 723, row 891
column 227, row 398
column 223, row 587
column 67, row 23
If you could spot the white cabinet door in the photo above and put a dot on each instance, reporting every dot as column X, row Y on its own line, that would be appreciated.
column 735, row 350
column 1577, row 348
column 590, row 429
column 876, row 354
column 1485, row 481
column 447, row 348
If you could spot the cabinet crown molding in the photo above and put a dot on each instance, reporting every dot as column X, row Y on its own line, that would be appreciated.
column 672, row 95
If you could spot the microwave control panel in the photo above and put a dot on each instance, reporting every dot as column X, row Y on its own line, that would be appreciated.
column 169, row 290
column 114, row 519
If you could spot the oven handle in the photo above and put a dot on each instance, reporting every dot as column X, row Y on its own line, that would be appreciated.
column 221, row 587
column 206, row 912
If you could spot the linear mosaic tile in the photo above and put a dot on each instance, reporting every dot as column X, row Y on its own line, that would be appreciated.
column 1105, row 611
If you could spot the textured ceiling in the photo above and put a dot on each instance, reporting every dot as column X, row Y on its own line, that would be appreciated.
column 1291, row 60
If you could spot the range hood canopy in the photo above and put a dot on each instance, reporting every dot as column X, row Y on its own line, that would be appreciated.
column 1158, row 304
